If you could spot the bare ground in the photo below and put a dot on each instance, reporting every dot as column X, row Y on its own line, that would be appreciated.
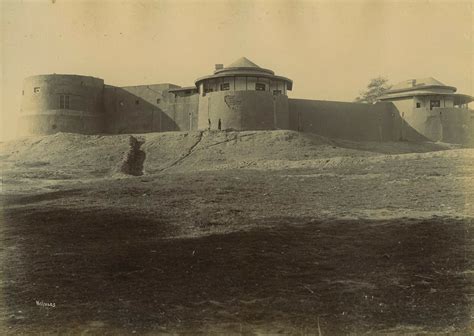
column 271, row 233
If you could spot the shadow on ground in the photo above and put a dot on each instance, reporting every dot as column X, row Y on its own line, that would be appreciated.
column 111, row 270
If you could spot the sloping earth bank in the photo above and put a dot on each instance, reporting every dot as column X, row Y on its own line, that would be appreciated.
column 228, row 233
column 71, row 156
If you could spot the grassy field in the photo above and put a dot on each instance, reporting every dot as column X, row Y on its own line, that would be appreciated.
column 325, row 237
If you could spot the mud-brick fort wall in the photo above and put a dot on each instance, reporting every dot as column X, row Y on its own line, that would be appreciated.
column 471, row 129
column 242, row 96
column 149, row 108
column 445, row 123
column 82, row 104
column 352, row 121
column 66, row 103
column 243, row 110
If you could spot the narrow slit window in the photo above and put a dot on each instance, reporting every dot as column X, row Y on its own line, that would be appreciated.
column 64, row 101
column 418, row 105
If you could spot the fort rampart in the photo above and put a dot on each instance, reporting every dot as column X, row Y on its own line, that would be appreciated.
column 242, row 96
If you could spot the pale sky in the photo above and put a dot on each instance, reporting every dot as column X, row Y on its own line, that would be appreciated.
column 330, row 49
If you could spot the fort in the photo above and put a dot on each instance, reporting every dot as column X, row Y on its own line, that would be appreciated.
column 242, row 96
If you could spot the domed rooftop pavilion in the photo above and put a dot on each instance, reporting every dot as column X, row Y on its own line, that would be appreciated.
column 425, row 87
column 243, row 67
column 243, row 96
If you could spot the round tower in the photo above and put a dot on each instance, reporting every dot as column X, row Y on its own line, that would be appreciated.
column 243, row 96
column 62, row 103
column 433, row 109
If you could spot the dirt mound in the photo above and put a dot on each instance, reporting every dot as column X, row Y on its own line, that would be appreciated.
column 71, row 156
column 76, row 153
column 132, row 163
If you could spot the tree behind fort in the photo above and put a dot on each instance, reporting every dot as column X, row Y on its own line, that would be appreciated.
column 375, row 89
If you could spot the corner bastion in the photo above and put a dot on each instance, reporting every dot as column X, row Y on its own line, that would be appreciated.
column 62, row 103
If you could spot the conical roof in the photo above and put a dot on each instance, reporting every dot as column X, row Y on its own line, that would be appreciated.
column 244, row 67
column 243, row 62
column 418, row 87
column 416, row 83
